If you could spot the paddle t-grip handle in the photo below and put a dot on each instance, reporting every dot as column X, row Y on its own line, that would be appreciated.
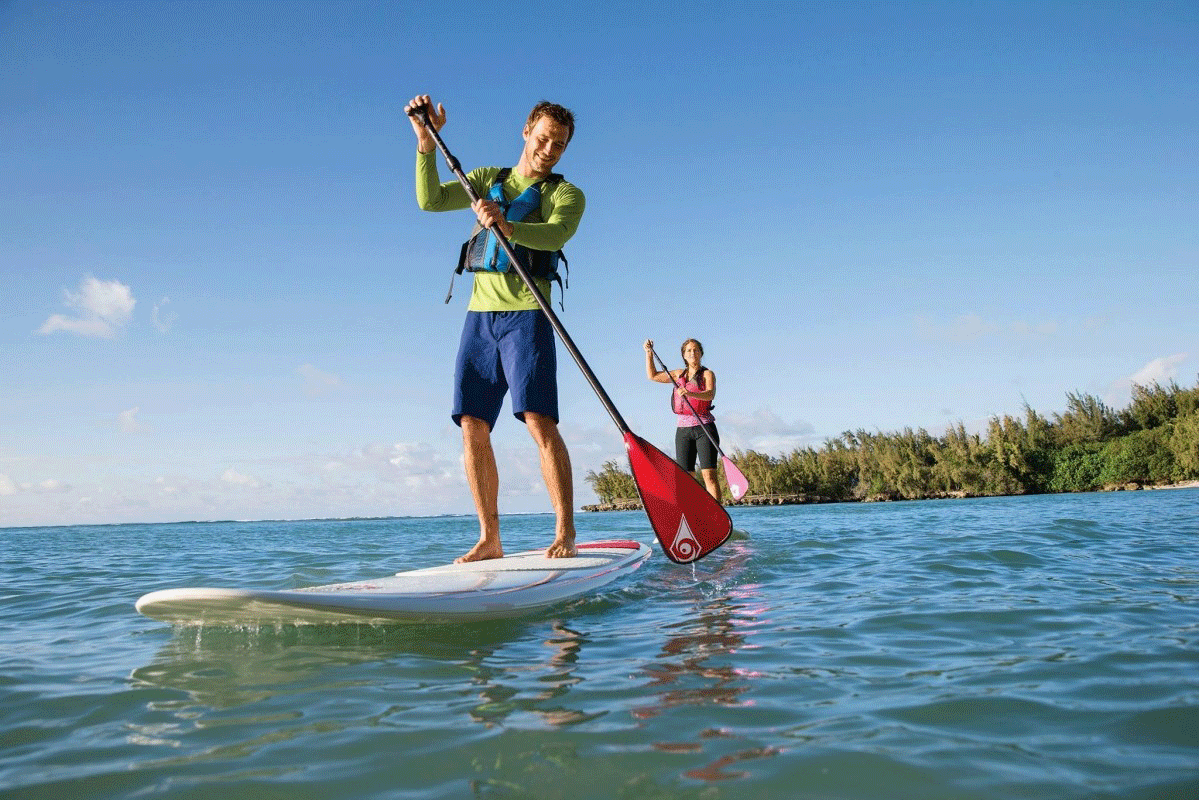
column 421, row 113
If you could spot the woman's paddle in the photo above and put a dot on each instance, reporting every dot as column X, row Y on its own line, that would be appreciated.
column 688, row 522
column 738, row 485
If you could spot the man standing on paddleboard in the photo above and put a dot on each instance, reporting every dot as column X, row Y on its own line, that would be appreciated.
column 507, row 342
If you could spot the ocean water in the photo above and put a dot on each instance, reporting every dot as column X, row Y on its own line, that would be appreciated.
column 1022, row 648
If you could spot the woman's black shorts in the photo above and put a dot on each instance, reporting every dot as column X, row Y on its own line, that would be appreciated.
column 690, row 441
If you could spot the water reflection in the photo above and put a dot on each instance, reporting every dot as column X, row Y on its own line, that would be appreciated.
column 697, row 666
column 500, row 696
column 684, row 657
column 505, row 667
column 224, row 667
column 716, row 771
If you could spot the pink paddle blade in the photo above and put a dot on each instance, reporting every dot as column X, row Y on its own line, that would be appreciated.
column 738, row 485
column 688, row 521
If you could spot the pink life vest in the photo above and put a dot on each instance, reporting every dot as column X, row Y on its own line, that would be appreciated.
column 702, row 407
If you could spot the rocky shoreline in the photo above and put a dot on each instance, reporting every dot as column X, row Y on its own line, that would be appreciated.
column 634, row 504
column 748, row 500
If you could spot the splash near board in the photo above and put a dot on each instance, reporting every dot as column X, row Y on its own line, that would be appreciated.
column 503, row 587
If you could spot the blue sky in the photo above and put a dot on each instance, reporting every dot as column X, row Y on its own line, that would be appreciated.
column 222, row 303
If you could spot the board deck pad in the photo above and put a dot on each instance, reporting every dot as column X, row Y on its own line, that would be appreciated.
column 504, row 587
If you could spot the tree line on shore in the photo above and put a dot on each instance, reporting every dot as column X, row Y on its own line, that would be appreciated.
column 1090, row 446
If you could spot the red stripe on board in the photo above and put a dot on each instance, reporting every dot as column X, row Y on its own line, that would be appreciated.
column 626, row 543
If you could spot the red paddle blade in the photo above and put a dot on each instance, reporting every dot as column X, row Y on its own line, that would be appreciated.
column 688, row 521
column 738, row 485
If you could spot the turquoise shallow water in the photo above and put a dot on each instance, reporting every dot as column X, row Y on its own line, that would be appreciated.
column 1028, row 647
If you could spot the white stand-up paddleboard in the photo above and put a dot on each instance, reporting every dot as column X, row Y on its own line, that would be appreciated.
column 501, row 587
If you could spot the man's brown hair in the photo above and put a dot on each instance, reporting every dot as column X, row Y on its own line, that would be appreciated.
column 559, row 114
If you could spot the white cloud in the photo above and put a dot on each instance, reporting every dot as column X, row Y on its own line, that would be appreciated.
column 412, row 465
column 408, row 474
column 765, row 432
column 1028, row 330
column 414, row 457
column 9, row 487
column 317, row 382
column 1159, row 370
column 969, row 328
column 102, row 309
column 238, row 479
column 128, row 422
column 163, row 319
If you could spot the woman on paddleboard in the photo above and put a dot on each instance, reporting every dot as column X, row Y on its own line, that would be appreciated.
column 691, row 401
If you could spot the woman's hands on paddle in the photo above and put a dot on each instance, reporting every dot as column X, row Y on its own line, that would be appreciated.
column 651, row 369
column 424, row 140
column 663, row 375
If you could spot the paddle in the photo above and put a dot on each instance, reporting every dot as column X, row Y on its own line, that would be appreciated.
column 688, row 522
column 738, row 485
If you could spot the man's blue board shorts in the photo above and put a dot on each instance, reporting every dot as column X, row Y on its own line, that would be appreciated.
column 502, row 351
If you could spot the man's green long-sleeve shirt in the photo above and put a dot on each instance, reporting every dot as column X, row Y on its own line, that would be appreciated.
column 561, row 210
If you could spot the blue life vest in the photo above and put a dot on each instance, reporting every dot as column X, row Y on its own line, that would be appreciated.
column 483, row 253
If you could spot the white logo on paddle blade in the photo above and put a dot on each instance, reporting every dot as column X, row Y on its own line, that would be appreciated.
column 685, row 546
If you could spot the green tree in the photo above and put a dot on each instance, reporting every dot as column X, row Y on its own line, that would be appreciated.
column 838, row 476
column 612, row 483
column 1154, row 440
column 1187, row 401
column 1153, row 406
column 868, row 462
column 1076, row 468
column 961, row 461
column 1020, row 454
column 1087, row 419
column 758, row 469
column 912, row 462
column 1184, row 446
column 1142, row 457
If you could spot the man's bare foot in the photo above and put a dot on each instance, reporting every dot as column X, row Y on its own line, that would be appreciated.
column 482, row 551
column 563, row 547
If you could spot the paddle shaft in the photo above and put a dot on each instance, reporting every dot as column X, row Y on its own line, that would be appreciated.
column 455, row 167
